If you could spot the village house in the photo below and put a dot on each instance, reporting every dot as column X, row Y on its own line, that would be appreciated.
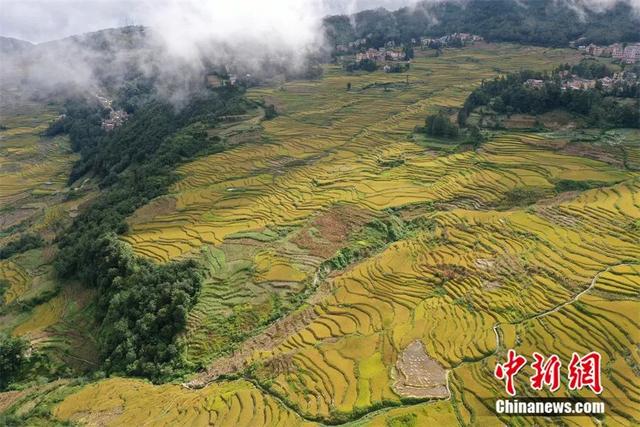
column 617, row 51
column 534, row 83
column 629, row 54
column 394, row 55
column 607, row 82
column 450, row 38
column 214, row 81
column 116, row 118
column 625, row 76
column 595, row 50
column 370, row 53
column 578, row 43
column 425, row 41
column 380, row 55
column 577, row 83
column 358, row 43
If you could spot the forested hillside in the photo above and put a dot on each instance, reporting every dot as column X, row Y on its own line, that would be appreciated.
column 141, row 306
column 537, row 22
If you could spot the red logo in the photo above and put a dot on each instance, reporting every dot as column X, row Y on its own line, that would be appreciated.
column 546, row 372
column 581, row 372
column 585, row 372
column 508, row 370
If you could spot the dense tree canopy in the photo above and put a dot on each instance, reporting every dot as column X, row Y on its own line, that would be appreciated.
column 509, row 94
column 13, row 357
column 439, row 125
column 24, row 243
column 588, row 69
column 364, row 65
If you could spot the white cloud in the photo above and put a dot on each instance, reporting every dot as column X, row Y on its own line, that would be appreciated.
column 43, row 20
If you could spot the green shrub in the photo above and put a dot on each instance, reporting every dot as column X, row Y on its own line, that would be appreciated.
column 13, row 359
column 406, row 420
column 440, row 126
column 571, row 185
column 4, row 287
column 26, row 242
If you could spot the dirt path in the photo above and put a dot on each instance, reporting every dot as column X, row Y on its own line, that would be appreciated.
column 496, row 327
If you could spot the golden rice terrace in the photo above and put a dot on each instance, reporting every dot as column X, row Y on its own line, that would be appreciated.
column 487, row 256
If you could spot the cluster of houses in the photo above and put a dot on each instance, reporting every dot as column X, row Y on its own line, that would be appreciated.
column 381, row 55
column 573, row 82
column 629, row 54
column 451, row 40
column 578, row 83
column 116, row 117
column 455, row 39
column 215, row 81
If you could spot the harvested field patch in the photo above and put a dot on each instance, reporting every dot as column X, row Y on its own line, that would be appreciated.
column 419, row 375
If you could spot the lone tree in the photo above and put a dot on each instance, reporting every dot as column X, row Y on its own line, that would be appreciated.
column 270, row 112
column 475, row 137
column 408, row 53
column 440, row 126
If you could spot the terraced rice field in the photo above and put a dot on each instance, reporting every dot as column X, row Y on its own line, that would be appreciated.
column 33, row 184
column 32, row 168
column 52, row 319
column 488, row 274
column 16, row 279
column 326, row 148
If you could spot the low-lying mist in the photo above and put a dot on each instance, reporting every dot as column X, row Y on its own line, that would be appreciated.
column 180, row 40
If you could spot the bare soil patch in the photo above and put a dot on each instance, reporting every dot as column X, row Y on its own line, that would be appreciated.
column 328, row 231
column 418, row 375
column 11, row 218
column 160, row 206
column 611, row 155
column 520, row 121
column 8, row 398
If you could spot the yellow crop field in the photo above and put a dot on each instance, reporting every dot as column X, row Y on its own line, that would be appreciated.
column 557, row 274
column 17, row 279
column 118, row 402
column 31, row 165
column 339, row 137
column 34, row 172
